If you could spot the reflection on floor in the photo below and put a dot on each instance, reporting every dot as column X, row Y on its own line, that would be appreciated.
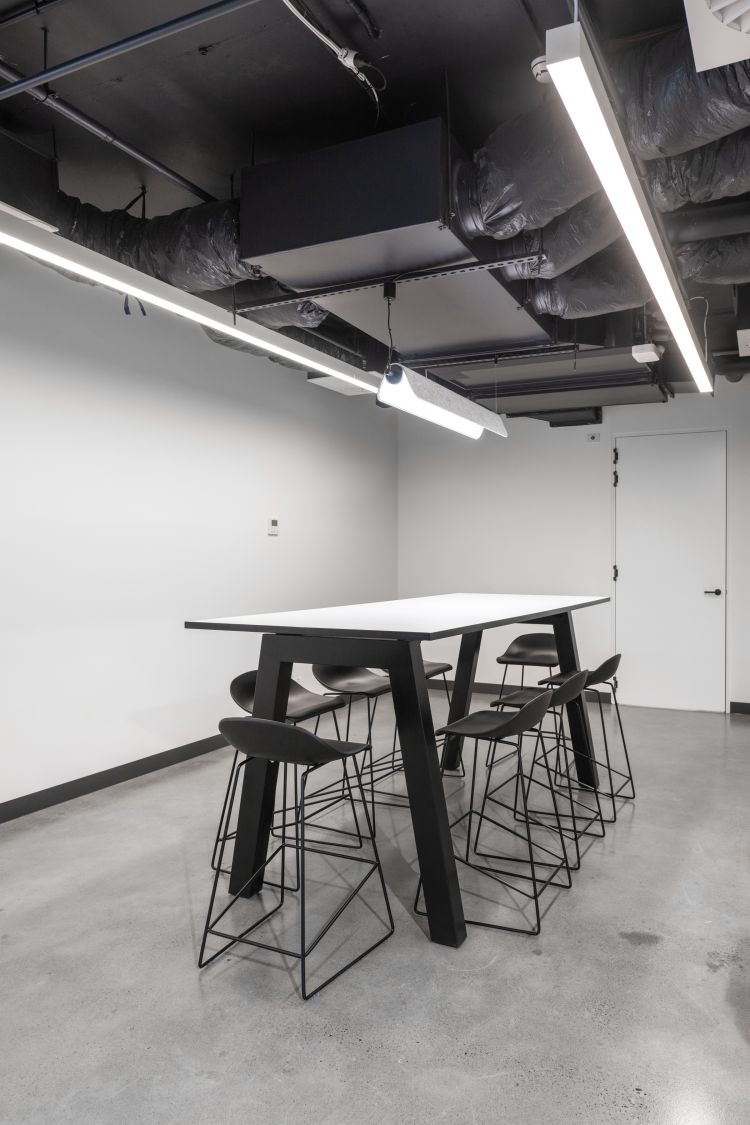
column 632, row 1006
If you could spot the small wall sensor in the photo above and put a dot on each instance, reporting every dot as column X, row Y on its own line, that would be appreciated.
column 273, row 527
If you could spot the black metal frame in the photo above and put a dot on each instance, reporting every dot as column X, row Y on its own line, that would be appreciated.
column 301, row 848
column 403, row 661
column 553, row 866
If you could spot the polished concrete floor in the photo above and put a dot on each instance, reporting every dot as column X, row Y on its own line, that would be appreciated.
column 632, row 1006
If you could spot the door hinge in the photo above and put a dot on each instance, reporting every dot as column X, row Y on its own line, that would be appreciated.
column 615, row 479
column 615, row 455
column 615, row 682
column 615, row 573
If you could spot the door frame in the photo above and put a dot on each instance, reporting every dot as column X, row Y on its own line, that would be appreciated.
column 613, row 585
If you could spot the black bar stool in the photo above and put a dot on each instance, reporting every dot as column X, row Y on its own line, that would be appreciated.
column 302, row 706
column 606, row 674
column 531, row 650
column 583, row 819
column 287, row 746
column 540, row 865
column 354, row 684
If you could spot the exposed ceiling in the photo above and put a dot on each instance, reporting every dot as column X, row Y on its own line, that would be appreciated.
column 254, row 87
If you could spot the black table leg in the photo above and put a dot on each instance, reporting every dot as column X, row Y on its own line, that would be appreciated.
column 578, row 716
column 426, row 796
column 255, row 816
column 403, row 660
column 463, row 686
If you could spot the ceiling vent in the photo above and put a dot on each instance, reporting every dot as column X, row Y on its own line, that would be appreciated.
column 719, row 31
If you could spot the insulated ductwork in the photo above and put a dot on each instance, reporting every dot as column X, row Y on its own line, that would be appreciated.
column 716, row 261
column 529, row 171
column 714, row 171
column 610, row 282
column 195, row 249
column 567, row 241
column 668, row 106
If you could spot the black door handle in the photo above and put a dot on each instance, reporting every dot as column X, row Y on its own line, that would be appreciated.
column 717, row 592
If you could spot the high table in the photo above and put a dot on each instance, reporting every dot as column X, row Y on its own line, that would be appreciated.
column 388, row 635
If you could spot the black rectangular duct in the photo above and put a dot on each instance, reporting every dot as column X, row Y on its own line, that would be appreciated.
column 28, row 180
column 378, row 207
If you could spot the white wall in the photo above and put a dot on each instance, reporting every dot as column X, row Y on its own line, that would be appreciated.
column 139, row 464
column 535, row 513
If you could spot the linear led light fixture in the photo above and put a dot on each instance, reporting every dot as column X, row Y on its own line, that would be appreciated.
column 406, row 390
column 8, row 209
column 573, row 70
column 25, row 235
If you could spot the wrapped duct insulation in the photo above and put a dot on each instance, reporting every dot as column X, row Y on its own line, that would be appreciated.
column 716, row 261
column 195, row 249
column 714, row 171
column 668, row 106
column 529, row 171
column 567, row 241
column 607, row 283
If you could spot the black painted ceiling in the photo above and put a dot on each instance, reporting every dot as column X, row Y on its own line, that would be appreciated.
column 203, row 100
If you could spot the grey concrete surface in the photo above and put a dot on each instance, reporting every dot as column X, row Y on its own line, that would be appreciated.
column 632, row 1006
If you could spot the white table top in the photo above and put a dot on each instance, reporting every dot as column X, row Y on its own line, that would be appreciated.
column 423, row 619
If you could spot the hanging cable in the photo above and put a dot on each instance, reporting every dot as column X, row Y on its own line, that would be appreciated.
column 347, row 57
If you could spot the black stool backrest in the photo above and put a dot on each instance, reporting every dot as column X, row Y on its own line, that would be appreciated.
column 276, row 742
column 605, row 671
column 242, row 690
column 529, row 716
column 330, row 676
column 571, row 689
column 532, row 648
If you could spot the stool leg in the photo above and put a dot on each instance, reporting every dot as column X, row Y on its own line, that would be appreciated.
column 219, row 830
column 629, row 775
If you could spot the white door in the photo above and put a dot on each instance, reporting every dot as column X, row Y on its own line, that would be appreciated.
column 670, row 554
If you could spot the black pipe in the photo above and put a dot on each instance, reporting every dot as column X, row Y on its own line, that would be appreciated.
column 122, row 46
column 25, row 10
column 694, row 224
column 52, row 101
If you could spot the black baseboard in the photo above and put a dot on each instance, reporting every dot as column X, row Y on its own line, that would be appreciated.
column 56, row 794
column 483, row 688
column 739, row 708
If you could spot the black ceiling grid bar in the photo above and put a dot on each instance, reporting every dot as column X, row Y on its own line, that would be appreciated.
column 53, row 101
column 123, row 46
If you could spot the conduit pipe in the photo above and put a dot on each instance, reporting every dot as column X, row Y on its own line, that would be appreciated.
column 153, row 34
column 53, row 101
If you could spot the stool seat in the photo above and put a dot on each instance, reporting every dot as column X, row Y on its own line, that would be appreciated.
column 302, row 704
column 480, row 724
column 515, row 696
column 565, row 692
column 277, row 742
column 434, row 668
column 491, row 725
column 351, row 681
column 534, row 649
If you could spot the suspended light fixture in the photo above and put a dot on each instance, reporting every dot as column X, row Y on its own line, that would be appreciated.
column 23, row 233
column 573, row 70
column 406, row 390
